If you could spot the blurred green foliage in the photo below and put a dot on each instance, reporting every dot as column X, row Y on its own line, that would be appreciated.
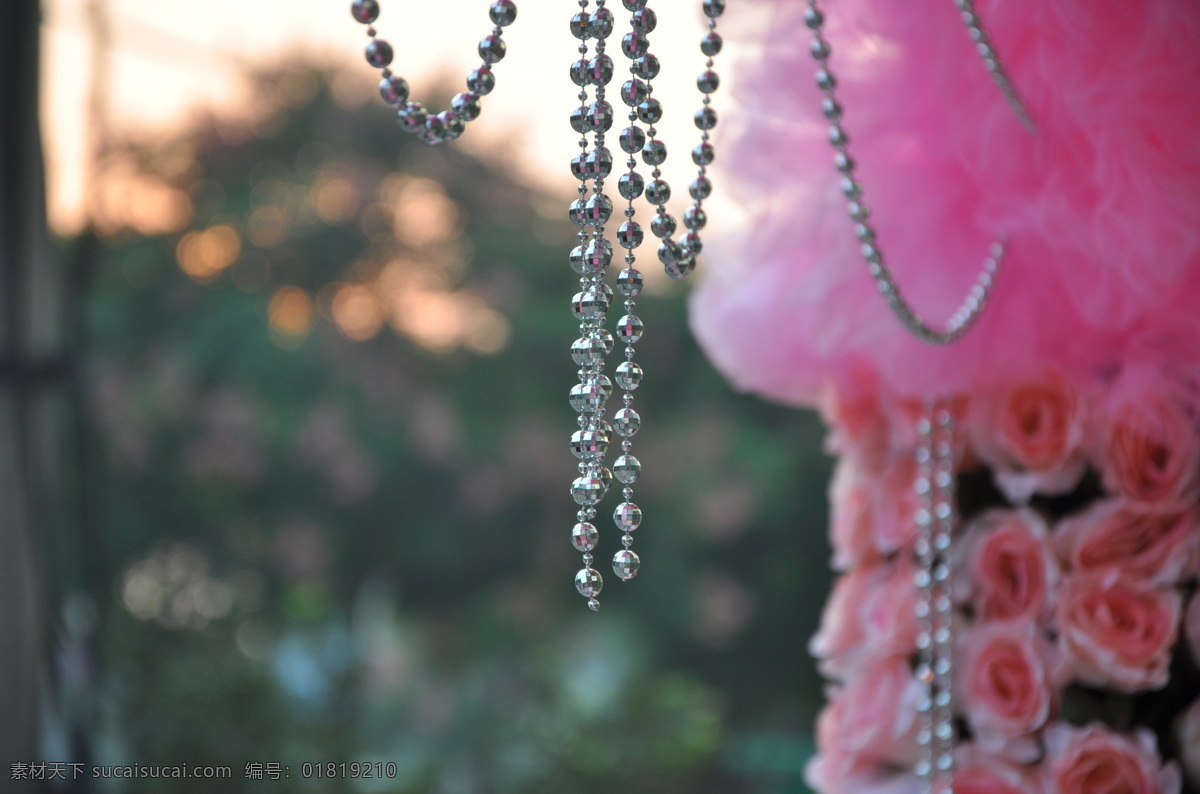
column 319, row 548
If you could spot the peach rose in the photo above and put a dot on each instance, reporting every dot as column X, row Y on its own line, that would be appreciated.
column 870, row 614
column 1150, row 450
column 1006, row 570
column 852, row 516
column 1187, row 734
column 1005, row 683
column 1118, row 632
column 1031, row 433
column 1119, row 537
column 1094, row 760
column 874, row 715
column 835, row 770
column 979, row 772
column 897, row 504
column 859, row 426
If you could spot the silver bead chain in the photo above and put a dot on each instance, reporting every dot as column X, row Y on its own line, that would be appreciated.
column 591, row 258
column 976, row 300
column 987, row 51
column 935, row 518
column 413, row 117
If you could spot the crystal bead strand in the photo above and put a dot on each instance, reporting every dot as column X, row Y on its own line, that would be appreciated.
column 591, row 259
column 413, row 117
column 934, row 609
column 972, row 306
column 983, row 46
column 635, row 93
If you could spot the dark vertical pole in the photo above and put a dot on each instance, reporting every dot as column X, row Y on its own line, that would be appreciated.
column 23, row 249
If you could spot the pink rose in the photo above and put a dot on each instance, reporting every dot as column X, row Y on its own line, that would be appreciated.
column 870, row 614
column 1118, row 632
column 1187, row 734
column 1118, row 537
column 1031, row 433
column 859, row 426
column 1006, row 570
column 852, row 516
column 1150, row 451
column 1005, row 683
column 897, row 504
column 979, row 772
column 1094, row 760
column 873, row 716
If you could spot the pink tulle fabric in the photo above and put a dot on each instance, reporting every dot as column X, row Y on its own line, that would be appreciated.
column 1099, row 208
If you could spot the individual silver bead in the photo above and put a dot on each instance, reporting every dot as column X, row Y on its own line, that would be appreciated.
column 635, row 44
column 711, row 43
column 694, row 218
column 630, row 185
column 644, row 20
column 503, row 12
column 646, row 67
column 580, row 27
column 632, row 139
column 481, row 81
column 492, row 48
column 654, row 152
column 634, row 92
column 629, row 235
column 708, row 81
column 600, row 23
column 701, row 188
column 706, row 118
column 600, row 69
column 629, row 283
column 650, row 110
column 663, row 225
column 365, row 11
column 713, row 8
column 658, row 192
column 378, row 53
column 394, row 90
column 813, row 18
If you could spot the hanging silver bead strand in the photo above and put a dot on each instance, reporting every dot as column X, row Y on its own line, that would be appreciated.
column 935, row 518
column 590, row 259
column 976, row 300
column 636, row 94
column 413, row 117
column 992, row 62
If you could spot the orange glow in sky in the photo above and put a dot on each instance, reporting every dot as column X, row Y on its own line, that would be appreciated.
column 171, row 59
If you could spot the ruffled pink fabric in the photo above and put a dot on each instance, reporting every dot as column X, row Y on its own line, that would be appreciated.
column 1099, row 209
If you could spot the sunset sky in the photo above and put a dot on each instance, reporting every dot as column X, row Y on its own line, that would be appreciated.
column 172, row 58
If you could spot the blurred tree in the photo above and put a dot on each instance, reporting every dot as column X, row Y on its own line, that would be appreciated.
column 330, row 369
column 30, row 390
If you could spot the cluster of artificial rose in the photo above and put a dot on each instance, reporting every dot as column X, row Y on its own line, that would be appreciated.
column 1075, row 564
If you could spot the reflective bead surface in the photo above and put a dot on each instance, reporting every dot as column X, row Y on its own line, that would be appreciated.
column 492, row 48
column 628, row 375
column 584, row 536
column 379, row 53
column 626, row 564
column 589, row 583
column 627, row 468
column 627, row 516
column 503, row 12
column 587, row 490
column 626, row 422
column 365, row 11
column 481, row 81
column 629, row 282
column 394, row 90
column 630, row 328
